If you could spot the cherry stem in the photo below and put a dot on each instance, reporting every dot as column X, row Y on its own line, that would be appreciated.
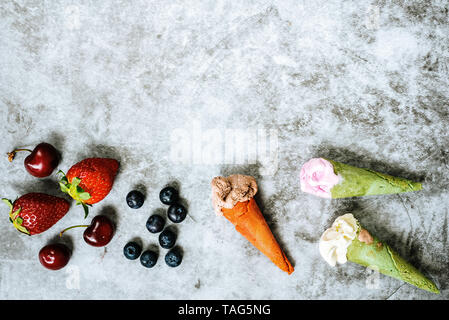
column 12, row 154
column 77, row 226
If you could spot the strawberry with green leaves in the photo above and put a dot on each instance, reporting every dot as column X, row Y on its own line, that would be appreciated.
column 89, row 181
column 34, row 212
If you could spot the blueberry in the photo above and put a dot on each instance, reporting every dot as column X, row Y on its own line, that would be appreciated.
column 148, row 259
column 155, row 223
column 173, row 258
column 177, row 213
column 132, row 250
column 168, row 195
column 135, row 199
column 167, row 239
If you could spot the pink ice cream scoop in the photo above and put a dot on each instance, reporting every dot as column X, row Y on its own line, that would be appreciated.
column 317, row 177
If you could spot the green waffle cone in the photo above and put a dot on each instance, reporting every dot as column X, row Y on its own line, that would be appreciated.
column 358, row 182
column 379, row 256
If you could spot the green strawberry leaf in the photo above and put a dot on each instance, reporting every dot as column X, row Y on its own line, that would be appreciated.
column 75, row 182
column 64, row 182
column 84, row 196
column 8, row 202
column 63, row 187
column 86, row 210
column 63, row 176
column 15, row 219
column 15, row 214
column 23, row 230
column 17, row 222
column 75, row 191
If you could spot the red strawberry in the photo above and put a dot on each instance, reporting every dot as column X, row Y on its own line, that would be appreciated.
column 90, row 180
column 34, row 213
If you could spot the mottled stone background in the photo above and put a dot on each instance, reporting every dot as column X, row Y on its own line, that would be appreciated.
column 362, row 82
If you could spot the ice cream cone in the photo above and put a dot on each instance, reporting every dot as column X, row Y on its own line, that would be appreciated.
column 249, row 221
column 379, row 256
column 346, row 240
column 233, row 197
column 331, row 179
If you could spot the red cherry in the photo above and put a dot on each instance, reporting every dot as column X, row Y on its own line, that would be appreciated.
column 41, row 161
column 99, row 233
column 54, row 256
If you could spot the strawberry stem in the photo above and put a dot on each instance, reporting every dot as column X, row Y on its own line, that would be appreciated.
column 77, row 226
column 12, row 154
column 14, row 217
column 73, row 189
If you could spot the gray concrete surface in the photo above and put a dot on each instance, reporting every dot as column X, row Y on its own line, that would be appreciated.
column 165, row 87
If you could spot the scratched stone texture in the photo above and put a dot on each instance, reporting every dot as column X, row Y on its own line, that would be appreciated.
column 361, row 82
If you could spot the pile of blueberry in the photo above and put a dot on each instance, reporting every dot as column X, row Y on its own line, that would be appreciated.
column 176, row 213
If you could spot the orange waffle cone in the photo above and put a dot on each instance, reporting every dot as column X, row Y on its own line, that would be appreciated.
column 249, row 221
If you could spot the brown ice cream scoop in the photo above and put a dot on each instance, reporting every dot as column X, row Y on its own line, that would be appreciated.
column 228, row 191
